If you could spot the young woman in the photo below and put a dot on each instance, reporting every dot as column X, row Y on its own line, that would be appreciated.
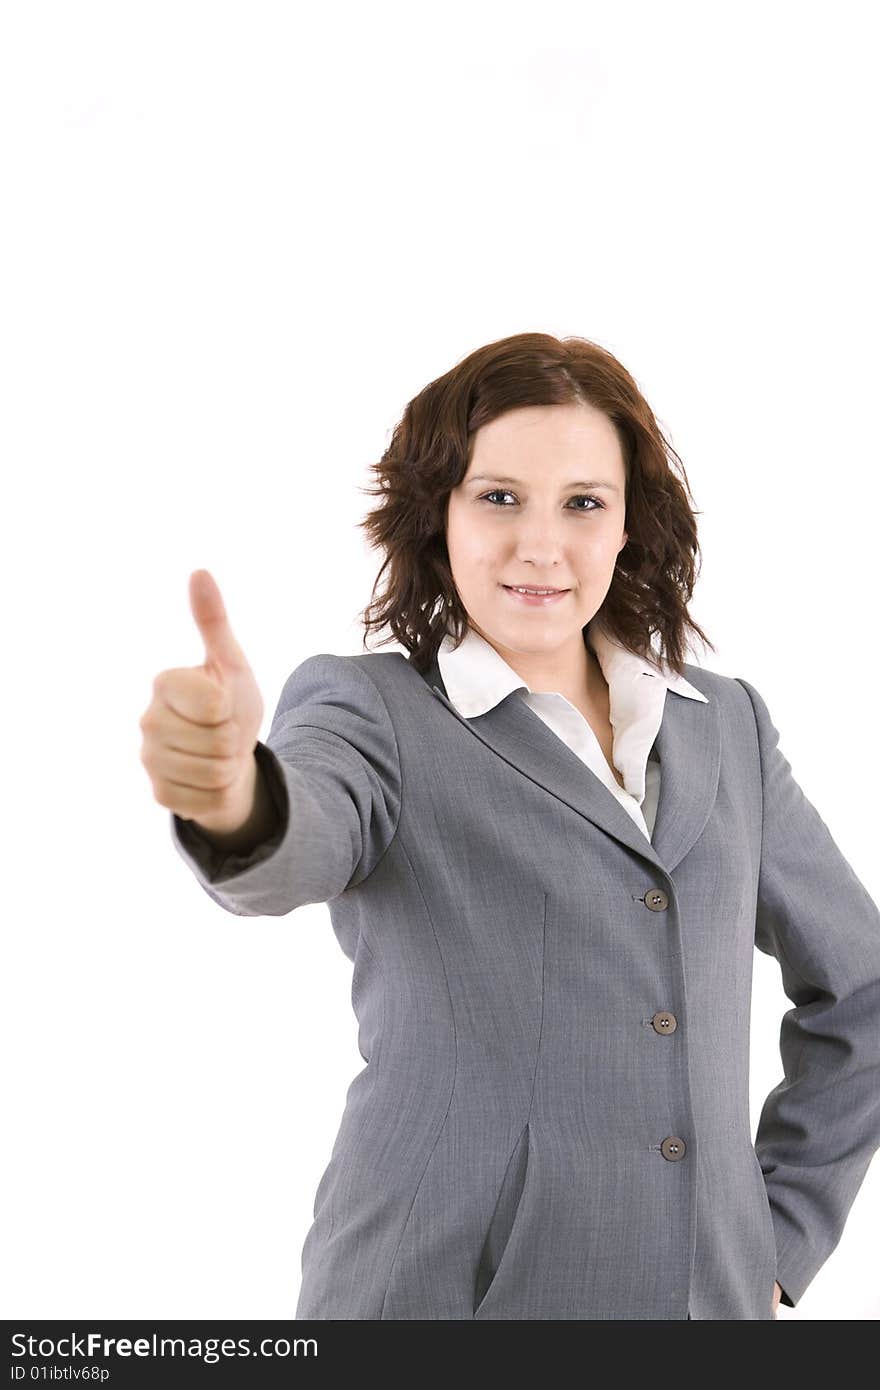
column 549, row 846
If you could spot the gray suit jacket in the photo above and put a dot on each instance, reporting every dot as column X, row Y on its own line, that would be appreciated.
column 553, row 1118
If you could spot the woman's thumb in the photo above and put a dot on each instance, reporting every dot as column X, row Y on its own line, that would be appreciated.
column 221, row 649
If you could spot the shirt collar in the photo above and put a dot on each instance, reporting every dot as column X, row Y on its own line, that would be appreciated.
column 477, row 678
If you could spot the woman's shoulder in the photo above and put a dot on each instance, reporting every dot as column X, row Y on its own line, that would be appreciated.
column 341, row 672
column 731, row 692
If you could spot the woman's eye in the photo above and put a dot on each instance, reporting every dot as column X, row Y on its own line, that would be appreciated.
column 580, row 497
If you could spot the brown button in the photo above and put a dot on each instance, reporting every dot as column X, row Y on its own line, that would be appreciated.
column 656, row 900
column 673, row 1148
column 664, row 1022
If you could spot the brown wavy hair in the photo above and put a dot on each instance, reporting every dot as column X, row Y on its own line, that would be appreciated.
column 429, row 454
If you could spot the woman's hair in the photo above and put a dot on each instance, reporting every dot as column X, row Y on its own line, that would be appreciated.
column 429, row 454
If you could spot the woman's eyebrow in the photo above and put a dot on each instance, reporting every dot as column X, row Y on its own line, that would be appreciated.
column 516, row 482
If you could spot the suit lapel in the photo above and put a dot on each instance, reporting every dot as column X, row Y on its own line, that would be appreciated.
column 688, row 745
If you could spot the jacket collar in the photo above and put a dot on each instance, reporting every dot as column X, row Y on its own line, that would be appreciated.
column 688, row 745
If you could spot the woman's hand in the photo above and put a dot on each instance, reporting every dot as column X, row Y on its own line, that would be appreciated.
column 777, row 1294
column 201, row 726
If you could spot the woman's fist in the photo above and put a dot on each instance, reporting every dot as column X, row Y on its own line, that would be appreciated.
column 202, row 724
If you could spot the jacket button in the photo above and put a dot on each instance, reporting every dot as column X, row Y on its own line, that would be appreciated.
column 656, row 900
column 673, row 1148
column 664, row 1022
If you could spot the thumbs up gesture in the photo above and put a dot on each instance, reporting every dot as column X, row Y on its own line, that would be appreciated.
column 202, row 724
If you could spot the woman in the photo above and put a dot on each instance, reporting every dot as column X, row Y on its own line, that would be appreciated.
column 549, row 850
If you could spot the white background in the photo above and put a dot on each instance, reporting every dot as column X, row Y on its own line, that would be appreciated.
column 236, row 239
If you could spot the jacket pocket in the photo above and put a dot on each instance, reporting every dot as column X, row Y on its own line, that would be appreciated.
column 501, row 1226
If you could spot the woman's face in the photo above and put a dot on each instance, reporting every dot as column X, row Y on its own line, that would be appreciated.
column 542, row 504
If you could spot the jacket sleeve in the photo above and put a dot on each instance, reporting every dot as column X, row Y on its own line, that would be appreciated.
column 333, row 770
column 820, row 1127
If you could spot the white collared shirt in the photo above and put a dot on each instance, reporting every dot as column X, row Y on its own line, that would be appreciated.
column 477, row 678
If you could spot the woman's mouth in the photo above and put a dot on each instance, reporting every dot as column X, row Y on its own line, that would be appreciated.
column 534, row 597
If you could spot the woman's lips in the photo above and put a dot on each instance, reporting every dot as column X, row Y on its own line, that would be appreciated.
column 535, row 600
